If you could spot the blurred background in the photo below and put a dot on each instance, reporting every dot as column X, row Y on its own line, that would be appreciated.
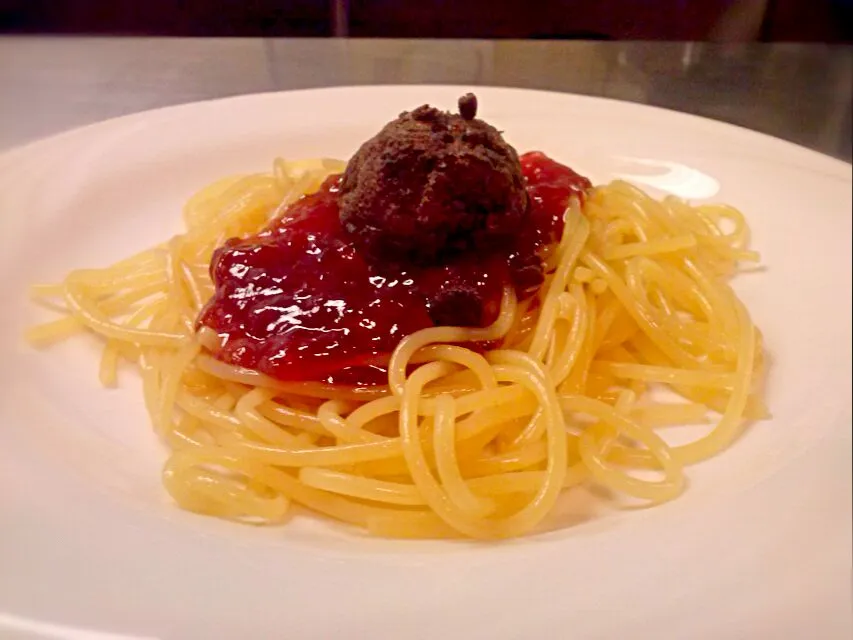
column 713, row 20
column 783, row 67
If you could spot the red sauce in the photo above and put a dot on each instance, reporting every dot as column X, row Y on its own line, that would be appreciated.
column 550, row 185
column 298, row 302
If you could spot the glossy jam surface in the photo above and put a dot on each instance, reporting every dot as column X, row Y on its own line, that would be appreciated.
column 549, row 186
column 298, row 302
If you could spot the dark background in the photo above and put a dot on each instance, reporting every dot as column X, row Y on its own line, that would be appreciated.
column 731, row 20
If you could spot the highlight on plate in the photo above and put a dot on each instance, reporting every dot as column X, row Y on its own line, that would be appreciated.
column 438, row 338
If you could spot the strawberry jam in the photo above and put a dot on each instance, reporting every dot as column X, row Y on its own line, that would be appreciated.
column 297, row 301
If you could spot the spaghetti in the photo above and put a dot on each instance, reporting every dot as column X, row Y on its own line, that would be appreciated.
column 460, row 441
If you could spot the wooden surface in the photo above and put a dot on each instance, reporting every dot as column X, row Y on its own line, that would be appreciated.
column 743, row 20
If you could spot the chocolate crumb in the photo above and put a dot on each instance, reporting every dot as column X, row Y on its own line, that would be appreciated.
column 468, row 106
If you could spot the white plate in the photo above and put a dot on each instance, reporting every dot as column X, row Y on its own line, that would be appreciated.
column 758, row 547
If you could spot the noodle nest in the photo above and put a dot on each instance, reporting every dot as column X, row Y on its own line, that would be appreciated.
column 460, row 443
